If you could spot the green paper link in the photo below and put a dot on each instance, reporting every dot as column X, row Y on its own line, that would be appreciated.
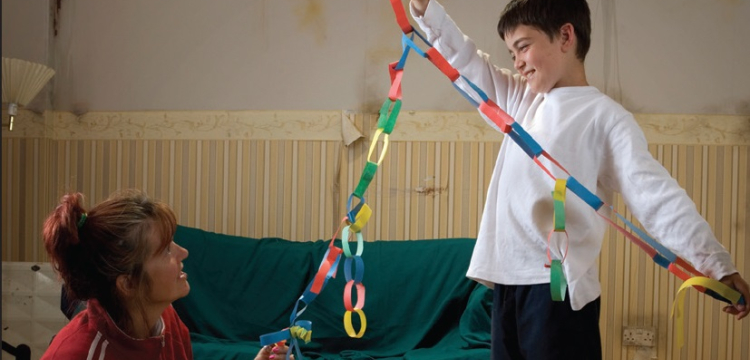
column 559, row 215
column 390, row 123
column 384, row 112
column 367, row 175
column 388, row 128
column 557, row 284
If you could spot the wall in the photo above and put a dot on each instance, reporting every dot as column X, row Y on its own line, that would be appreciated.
column 668, row 56
column 289, row 174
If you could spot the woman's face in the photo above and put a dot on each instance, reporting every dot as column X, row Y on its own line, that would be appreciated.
column 164, row 269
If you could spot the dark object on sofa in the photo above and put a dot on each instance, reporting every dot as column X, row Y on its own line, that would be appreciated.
column 419, row 304
column 21, row 352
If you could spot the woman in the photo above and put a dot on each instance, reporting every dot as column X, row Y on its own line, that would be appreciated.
column 119, row 257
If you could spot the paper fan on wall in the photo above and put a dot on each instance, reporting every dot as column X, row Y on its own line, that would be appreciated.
column 22, row 80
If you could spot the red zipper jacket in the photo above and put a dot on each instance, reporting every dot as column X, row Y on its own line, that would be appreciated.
column 93, row 335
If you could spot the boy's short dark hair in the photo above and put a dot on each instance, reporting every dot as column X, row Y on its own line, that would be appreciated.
column 549, row 16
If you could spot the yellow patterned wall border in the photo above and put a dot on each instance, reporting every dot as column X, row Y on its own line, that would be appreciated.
column 181, row 125
column 27, row 124
column 684, row 129
column 672, row 129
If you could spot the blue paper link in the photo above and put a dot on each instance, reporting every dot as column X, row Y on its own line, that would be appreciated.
column 359, row 271
column 466, row 96
column 405, row 40
column 654, row 244
column 513, row 135
column 661, row 261
column 477, row 89
column 422, row 37
column 275, row 337
column 349, row 207
column 531, row 144
column 583, row 193
column 404, row 55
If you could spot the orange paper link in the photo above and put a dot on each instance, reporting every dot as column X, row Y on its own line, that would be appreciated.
column 498, row 116
column 436, row 58
column 401, row 19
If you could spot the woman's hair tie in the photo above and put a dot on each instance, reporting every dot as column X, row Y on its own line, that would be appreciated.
column 83, row 220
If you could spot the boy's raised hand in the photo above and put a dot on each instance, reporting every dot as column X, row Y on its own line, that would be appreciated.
column 736, row 282
column 420, row 6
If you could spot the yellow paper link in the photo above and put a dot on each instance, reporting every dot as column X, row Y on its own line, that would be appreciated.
column 361, row 219
column 350, row 328
column 560, row 186
column 301, row 333
column 679, row 302
column 374, row 143
column 559, row 204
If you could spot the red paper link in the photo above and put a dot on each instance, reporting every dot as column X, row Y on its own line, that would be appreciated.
column 536, row 160
column 684, row 264
column 360, row 296
column 442, row 64
column 649, row 250
column 684, row 276
column 680, row 274
column 401, row 19
column 497, row 115
column 396, row 76
column 552, row 160
column 320, row 277
column 652, row 252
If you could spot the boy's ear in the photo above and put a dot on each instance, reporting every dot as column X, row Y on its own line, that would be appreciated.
column 568, row 36
column 125, row 285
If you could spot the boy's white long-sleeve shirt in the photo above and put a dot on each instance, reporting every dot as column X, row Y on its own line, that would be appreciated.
column 601, row 145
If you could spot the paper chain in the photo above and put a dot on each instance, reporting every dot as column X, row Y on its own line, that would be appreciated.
column 490, row 111
column 356, row 218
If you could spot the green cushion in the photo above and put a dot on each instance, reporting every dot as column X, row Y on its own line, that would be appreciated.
column 419, row 303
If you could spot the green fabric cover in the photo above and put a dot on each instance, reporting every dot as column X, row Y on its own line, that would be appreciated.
column 419, row 303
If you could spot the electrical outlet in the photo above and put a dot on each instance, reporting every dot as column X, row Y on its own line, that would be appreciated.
column 634, row 336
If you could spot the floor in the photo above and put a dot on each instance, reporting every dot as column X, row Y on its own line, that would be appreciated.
column 31, row 306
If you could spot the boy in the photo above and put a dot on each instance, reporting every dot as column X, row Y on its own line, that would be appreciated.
column 600, row 144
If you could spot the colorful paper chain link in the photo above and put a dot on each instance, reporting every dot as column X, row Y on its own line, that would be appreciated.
column 505, row 123
column 558, row 284
column 355, row 218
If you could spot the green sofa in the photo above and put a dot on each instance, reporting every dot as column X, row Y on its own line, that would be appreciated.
column 419, row 304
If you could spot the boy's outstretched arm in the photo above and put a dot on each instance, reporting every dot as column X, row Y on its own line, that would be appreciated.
column 736, row 282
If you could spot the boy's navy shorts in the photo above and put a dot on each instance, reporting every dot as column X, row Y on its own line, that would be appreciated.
column 527, row 324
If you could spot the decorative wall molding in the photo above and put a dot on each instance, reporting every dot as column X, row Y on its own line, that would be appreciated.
column 685, row 129
column 327, row 126
column 180, row 125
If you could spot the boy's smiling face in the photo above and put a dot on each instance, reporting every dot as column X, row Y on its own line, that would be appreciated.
column 543, row 62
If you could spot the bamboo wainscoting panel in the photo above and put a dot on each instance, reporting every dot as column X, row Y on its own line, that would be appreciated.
column 289, row 174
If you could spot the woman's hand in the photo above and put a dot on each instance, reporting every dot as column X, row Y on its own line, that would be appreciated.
column 274, row 352
column 736, row 282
